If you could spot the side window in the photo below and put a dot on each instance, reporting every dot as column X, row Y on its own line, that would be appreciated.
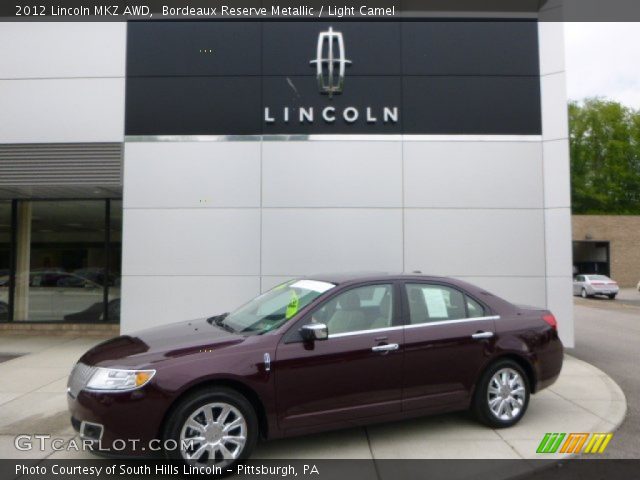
column 434, row 303
column 474, row 308
column 363, row 308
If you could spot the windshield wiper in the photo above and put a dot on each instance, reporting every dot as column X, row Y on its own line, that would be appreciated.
column 218, row 320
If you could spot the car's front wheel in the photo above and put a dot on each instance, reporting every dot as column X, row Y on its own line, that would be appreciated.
column 502, row 395
column 216, row 426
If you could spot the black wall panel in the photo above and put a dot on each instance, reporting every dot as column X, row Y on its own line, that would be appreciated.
column 445, row 77
column 182, row 48
column 296, row 92
column 193, row 106
column 470, row 48
column 471, row 105
column 373, row 47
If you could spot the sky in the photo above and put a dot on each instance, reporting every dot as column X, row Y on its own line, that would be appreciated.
column 603, row 59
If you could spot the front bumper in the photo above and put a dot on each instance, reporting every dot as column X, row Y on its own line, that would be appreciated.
column 122, row 424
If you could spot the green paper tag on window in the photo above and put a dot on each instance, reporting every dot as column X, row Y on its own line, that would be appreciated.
column 293, row 306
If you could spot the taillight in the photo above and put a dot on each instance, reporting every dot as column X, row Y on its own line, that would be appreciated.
column 597, row 283
column 551, row 320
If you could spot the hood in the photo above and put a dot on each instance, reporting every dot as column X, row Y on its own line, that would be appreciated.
column 156, row 344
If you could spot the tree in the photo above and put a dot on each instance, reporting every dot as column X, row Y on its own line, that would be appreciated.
column 605, row 157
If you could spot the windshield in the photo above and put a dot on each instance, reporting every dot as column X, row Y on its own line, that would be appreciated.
column 275, row 307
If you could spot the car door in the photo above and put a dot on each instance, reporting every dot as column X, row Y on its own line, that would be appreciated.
column 354, row 373
column 448, row 338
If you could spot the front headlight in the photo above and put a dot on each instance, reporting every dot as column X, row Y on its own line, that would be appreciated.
column 115, row 379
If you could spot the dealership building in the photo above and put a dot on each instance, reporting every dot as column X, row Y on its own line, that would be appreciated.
column 157, row 171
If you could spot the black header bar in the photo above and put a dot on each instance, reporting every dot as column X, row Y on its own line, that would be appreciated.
column 124, row 10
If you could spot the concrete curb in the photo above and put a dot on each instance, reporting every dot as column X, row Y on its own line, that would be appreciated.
column 584, row 399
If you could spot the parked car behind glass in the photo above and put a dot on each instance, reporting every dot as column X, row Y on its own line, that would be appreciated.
column 58, row 295
column 591, row 285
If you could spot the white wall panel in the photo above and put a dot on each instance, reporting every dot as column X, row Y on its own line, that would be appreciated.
column 560, row 302
column 192, row 174
column 558, row 242
column 308, row 241
column 555, row 117
column 62, row 49
column 473, row 174
column 518, row 290
column 78, row 110
column 475, row 242
column 557, row 179
column 158, row 300
column 332, row 174
column 267, row 283
column 191, row 242
column 551, row 40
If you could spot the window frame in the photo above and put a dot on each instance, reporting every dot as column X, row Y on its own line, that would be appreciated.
column 292, row 335
column 488, row 312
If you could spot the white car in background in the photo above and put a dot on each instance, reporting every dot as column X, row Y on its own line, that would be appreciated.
column 591, row 285
column 56, row 295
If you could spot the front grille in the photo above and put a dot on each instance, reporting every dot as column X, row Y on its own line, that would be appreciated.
column 80, row 376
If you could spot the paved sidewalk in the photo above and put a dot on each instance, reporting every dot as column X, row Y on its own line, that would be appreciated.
column 584, row 399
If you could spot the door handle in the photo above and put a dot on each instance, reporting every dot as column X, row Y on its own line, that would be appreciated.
column 481, row 335
column 389, row 347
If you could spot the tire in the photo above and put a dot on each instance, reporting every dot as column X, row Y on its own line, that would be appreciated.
column 207, row 407
column 611, row 297
column 502, row 415
column 584, row 294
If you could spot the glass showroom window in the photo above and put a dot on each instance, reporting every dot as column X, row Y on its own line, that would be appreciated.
column 63, row 261
column 5, row 258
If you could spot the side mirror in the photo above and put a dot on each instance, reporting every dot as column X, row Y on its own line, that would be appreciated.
column 314, row 331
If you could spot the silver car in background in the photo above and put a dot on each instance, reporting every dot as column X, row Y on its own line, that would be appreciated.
column 592, row 285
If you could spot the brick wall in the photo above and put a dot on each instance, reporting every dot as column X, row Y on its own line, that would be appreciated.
column 623, row 233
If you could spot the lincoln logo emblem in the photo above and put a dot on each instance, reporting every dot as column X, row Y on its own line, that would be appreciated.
column 326, row 60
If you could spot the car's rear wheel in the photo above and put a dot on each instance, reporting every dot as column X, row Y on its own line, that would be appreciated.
column 583, row 293
column 212, row 427
column 611, row 297
column 502, row 395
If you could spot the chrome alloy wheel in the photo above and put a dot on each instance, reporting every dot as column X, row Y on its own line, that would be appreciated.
column 214, row 433
column 506, row 394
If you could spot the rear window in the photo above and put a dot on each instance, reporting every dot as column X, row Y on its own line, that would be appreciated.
column 597, row 277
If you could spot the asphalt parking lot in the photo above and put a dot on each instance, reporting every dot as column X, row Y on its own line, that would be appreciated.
column 629, row 297
column 608, row 336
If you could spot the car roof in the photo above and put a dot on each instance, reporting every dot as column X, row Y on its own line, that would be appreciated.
column 349, row 278
column 356, row 277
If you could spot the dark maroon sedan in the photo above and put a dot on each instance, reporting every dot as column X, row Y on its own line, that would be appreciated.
column 314, row 354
